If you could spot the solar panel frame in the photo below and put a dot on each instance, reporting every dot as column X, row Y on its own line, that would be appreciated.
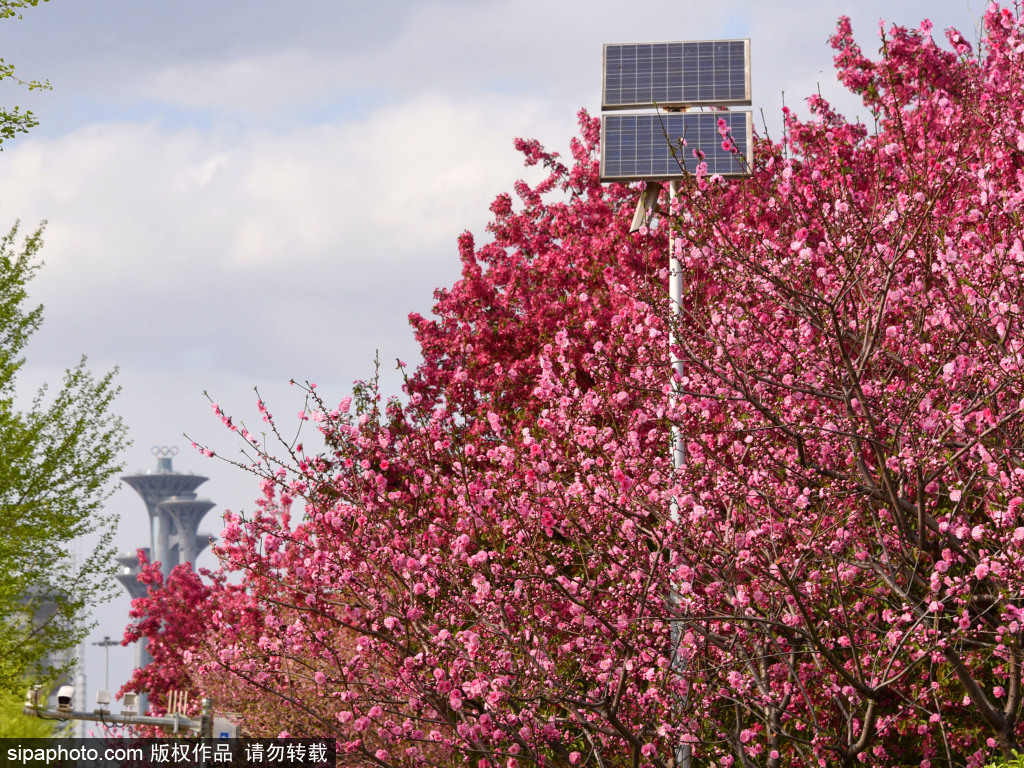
column 637, row 147
column 675, row 74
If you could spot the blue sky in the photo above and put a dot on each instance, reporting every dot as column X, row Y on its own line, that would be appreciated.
column 243, row 192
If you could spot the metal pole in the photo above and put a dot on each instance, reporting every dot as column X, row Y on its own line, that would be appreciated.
column 105, row 643
column 206, row 720
column 675, row 270
column 173, row 723
column 683, row 753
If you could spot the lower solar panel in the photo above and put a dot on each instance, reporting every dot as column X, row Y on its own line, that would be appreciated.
column 650, row 147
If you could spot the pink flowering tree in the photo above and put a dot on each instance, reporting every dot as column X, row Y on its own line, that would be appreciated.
column 852, row 412
column 549, row 268
column 505, row 568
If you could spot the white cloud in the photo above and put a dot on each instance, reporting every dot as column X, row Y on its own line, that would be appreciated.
column 174, row 242
column 257, row 83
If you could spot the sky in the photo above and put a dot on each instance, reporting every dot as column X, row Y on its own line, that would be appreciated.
column 240, row 193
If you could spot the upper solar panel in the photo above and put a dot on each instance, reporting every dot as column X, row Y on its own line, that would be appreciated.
column 703, row 72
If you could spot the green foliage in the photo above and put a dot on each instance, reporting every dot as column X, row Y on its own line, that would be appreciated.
column 16, row 725
column 9, row 8
column 1017, row 762
column 56, row 458
column 13, row 121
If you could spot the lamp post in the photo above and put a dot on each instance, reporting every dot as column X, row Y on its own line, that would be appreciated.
column 673, row 78
column 105, row 643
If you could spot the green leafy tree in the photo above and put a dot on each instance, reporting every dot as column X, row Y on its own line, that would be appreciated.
column 13, row 120
column 14, row 724
column 57, row 457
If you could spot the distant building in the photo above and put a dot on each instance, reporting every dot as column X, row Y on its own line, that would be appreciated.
column 174, row 516
column 41, row 606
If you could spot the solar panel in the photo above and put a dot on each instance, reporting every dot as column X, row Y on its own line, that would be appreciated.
column 640, row 147
column 708, row 72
